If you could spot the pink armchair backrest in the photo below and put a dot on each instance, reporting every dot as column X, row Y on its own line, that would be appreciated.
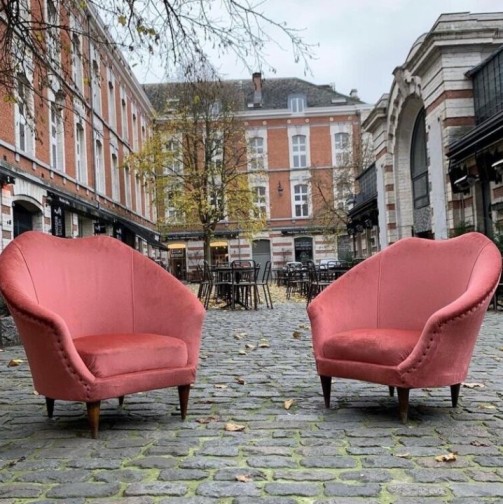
column 406, row 283
column 91, row 296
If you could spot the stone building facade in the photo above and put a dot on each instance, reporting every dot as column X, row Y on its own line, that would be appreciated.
column 423, row 188
column 300, row 131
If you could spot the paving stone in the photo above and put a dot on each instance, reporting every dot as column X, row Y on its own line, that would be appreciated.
column 156, row 489
column 348, row 454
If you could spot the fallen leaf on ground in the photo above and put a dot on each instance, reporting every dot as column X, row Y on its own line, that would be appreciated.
column 208, row 419
column 289, row 403
column 487, row 406
column 264, row 344
column 449, row 457
column 402, row 455
column 242, row 352
column 240, row 335
column 240, row 381
column 296, row 334
column 15, row 362
column 249, row 346
column 473, row 385
column 220, row 386
column 479, row 443
column 232, row 427
column 244, row 478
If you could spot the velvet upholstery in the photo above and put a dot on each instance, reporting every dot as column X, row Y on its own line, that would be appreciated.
column 408, row 316
column 97, row 318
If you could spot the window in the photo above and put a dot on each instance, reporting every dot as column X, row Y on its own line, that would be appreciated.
column 135, row 130
column 300, row 192
column 173, row 165
column 138, row 190
column 115, row 175
column 256, row 153
column 53, row 43
column 342, row 148
column 57, row 137
column 127, row 186
column 112, row 116
column 124, row 116
column 297, row 103
column 23, row 116
column 100, row 168
column 299, row 151
column 419, row 163
column 80, row 152
column 77, row 65
column 96, row 81
column 260, row 200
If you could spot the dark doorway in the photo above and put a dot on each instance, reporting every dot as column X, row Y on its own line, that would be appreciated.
column 303, row 249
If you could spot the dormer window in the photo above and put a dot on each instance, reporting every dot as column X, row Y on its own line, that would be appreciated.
column 297, row 103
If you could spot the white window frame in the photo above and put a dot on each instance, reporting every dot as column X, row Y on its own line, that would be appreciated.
column 77, row 57
column 256, row 153
column 124, row 115
column 341, row 155
column 297, row 103
column 127, row 186
column 100, row 165
column 296, row 131
column 96, row 80
column 56, row 136
column 139, row 193
column 115, row 173
column 53, row 34
column 112, row 112
column 301, row 199
column 134, row 125
column 261, row 201
column 80, row 150
column 299, row 152
column 23, row 117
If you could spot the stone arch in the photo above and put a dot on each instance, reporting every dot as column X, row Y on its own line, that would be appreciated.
column 27, row 214
column 406, row 215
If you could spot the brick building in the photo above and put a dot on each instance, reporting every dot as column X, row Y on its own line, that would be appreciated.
column 437, row 133
column 298, row 132
column 61, row 147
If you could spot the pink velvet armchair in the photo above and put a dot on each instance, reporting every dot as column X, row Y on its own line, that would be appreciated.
column 99, row 320
column 407, row 317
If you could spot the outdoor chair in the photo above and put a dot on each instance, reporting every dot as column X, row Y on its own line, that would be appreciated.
column 99, row 320
column 264, row 283
column 407, row 317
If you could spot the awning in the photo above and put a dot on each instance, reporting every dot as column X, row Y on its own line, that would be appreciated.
column 175, row 246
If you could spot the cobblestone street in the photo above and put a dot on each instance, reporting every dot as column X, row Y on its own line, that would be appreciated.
column 251, row 363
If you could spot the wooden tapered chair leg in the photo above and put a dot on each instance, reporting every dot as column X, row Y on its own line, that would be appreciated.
column 93, row 416
column 391, row 391
column 121, row 400
column 326, row 387
column 183, row 395
column 455, row 394
column 49, row 403
column 403, row 403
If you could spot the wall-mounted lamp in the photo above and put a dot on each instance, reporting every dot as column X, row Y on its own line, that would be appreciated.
column 465, row 182
column 280, row 188
column 6, row 179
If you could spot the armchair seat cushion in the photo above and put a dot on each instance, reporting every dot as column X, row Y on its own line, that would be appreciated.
column 108, row 355
column 386, row 347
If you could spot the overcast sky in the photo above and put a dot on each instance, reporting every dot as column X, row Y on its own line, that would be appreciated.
column 360, row 41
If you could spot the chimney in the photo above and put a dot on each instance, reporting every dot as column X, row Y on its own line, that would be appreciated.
column 257, row 86
column 354, row 94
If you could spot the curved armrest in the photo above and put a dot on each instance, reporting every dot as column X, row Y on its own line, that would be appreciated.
column 444, row 350
column 350, row 302
column 163, row 305
column 50, row 351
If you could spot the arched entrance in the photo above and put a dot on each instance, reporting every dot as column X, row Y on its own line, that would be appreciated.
column 26, row 215
column 413, row 212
